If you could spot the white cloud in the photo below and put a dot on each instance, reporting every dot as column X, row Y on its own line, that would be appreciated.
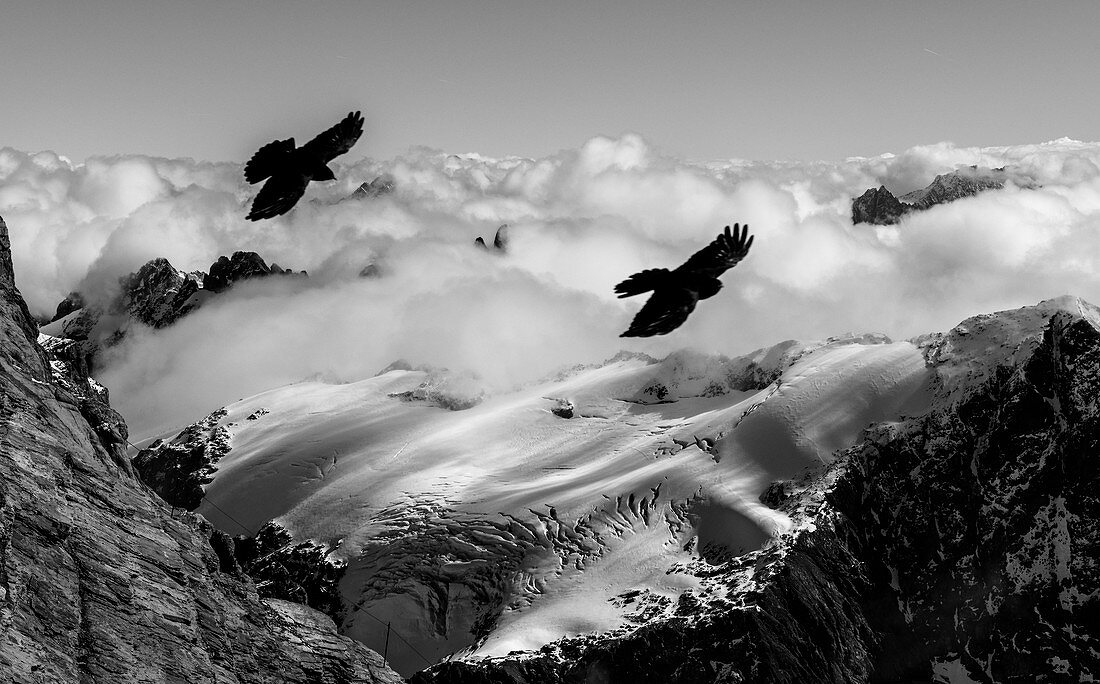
column 581, row 220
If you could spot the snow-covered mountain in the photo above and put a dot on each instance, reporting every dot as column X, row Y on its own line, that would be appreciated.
column 505, row 526
column 567, row 524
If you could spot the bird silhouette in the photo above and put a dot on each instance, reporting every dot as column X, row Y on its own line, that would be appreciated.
column 289, row 169
column 676, row 292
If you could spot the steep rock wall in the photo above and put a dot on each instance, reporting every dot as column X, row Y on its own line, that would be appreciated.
column 101, row 581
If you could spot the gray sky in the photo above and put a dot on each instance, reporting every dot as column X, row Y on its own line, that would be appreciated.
column 705, row 80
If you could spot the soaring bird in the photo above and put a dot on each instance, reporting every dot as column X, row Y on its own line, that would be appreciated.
column 289, row 169
column 675, row 292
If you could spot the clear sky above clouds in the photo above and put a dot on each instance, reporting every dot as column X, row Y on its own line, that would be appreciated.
column 705, row 80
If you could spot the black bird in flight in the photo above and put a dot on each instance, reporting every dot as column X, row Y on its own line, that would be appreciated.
column 675, row 292
column 289, row 169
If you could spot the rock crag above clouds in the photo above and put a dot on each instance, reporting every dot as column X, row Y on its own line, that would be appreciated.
column 879, row 206
column 102, row 581
column 156, row 295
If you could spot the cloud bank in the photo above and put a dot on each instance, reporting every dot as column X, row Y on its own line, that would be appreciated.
column 580, row 221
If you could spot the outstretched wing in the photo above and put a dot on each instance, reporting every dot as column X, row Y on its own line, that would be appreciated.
column 720, row 255
column 278, row 196
column 338, row 139
column 643, row 281
column 665, row 311
column 269, row 160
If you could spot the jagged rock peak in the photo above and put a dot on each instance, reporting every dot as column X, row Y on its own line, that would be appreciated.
column 381, row 185
column 158, row 294
column 74, row 301
column 877, row 206
column 241, row 266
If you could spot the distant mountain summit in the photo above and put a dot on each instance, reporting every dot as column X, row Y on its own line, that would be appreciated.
column 382, row 185
column 949, row 187
column 879, row 206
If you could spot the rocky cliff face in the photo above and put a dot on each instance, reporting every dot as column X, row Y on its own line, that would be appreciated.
column 954, row 546
column 101, row 581
column 980, row 519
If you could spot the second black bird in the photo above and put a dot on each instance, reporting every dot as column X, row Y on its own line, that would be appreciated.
column 676, row 292
column 289, row 169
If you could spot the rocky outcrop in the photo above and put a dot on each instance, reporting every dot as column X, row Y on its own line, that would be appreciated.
column 177, row 469
column 444, row 389
column 73, row 302
column 100, row 581
column 878, row 206
column 949, row 187
column 881, row 207
column 381, row 185
column 981, row 519
column 158, row 294
column 241, row 266
column 282, row 568
column 70, row 364
column 956, row 545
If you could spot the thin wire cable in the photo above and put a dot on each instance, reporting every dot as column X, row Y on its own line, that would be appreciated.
column 398, row 634
column 210, row 501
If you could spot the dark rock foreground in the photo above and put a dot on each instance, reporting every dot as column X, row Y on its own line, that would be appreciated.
column 101, row 581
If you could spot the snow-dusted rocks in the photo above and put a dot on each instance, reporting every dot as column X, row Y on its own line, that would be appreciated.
column 979, row 518
column 177, row 468
column 158, row 294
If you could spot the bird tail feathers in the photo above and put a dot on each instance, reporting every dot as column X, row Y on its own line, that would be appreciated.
column 643, row 281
